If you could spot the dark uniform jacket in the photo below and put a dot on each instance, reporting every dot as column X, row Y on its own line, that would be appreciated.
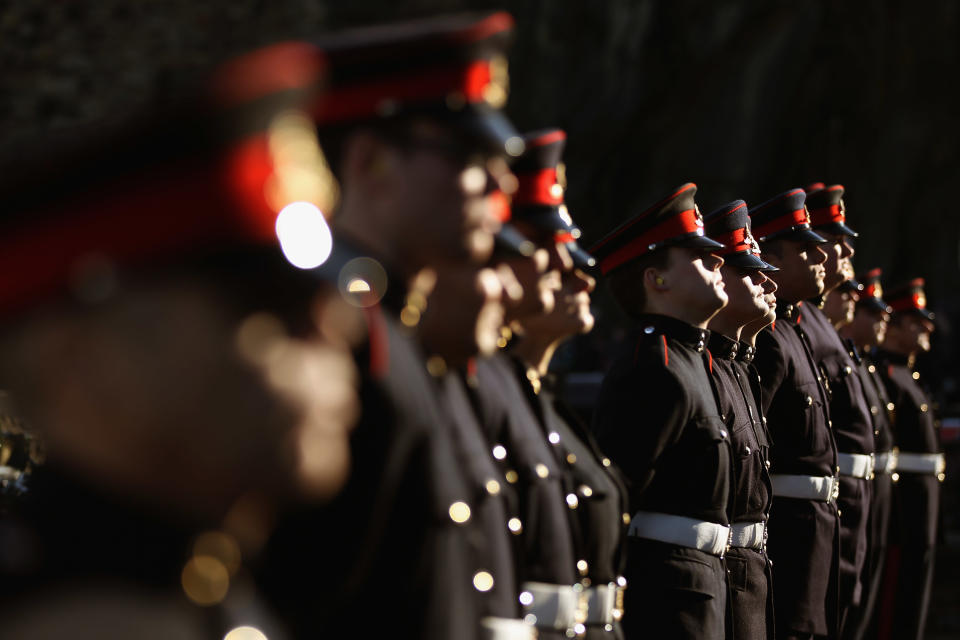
column 803, row 533
column 657, row 417
column 748, row 570
column 397, row 552
column 881, row 503
column 79, row 560
column 509, row 414
column 600, row 507
column 853, row 431
column 916, row 499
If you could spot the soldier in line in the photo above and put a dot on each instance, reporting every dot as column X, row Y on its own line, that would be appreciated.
column 849, row 413
column 505, row 389
column 920, row 467
column 657, row 417
column 748, row 571
column 596, row 497
column 803, row 519
column 166, row 352
column 413, row 132
column 863, row 335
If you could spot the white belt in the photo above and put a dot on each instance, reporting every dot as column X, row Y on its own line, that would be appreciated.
column 886, row 462
column 856, row 465
column 932, row 463
column 823, row 488
column 749, row 535
column 605, row 603
column 709, row 537
column 506, row 629
column 554, row 606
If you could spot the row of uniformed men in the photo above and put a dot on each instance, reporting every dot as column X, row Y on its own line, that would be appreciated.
column 758, row 432
column 467, row 500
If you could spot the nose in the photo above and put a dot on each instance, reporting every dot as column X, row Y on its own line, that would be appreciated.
column 846, row 249
column 560, row 258
column 583, row 281
column 817, row 255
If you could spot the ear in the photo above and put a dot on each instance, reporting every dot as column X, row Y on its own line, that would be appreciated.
column 653, row 280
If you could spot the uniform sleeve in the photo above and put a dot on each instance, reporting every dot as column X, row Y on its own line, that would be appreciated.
column 637, row 418
column 771, row 364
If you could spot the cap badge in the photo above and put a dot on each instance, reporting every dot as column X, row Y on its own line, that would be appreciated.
column 806, row 214
column 496, row 91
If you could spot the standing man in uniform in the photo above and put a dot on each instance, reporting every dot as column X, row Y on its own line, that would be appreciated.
column 657, row 417
column 864, row 335
column 748, row 571
column 849, row 413
column 920, row 466
column 803, row 519
column 413, row 132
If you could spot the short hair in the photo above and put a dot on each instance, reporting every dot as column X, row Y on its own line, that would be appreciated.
column 626, row 283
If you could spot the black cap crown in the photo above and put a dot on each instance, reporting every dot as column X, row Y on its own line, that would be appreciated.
column 910, row 298
column 674, row 221
column 784, row 216
column 730, row 226
column 871, row 293
column 827, row 211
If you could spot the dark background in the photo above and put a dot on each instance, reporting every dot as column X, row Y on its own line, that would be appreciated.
column 747, row 99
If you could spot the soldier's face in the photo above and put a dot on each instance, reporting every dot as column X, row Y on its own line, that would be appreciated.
column 571, row 314
column 536, row 293
column 838, row 251
column 745, row 294
column 839, row 308
column 694, row 282
column 868, row 328
column 801, row 270
column 442, row 187
column 908, row 334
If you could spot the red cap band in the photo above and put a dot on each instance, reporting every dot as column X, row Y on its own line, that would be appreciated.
column 826, row 215
column 734, row 242
column 916, row 301
column 782, row 223
column 563, row 237
column 417, row 86
column 685, row 223
column 540, row 188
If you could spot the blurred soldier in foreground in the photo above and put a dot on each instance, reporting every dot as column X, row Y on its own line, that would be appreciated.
column 803, row 519
column 864, row 334
column 920, row 467
column 751, row 599
column 849, row 414
column 595, row 498
column 657, row 417
column 413, row 130
column 168, row 355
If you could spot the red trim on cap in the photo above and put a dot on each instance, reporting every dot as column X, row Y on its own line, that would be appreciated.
column 686, row 222
column 710, row 360
column 782, row 223
column 280, row 67
column 491, row 25
column 537, row 188
column 826, row 215
column 341, row 104
column 499, row 205
column 563, row 237
column 642, row 216
column 915, row 301
column 163, row 213
column 734, row 242
column 547, row 138
column 666, row 357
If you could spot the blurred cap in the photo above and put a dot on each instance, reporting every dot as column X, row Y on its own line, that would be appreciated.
column 730, row 226
column 827, row 211
column 452, row 68
column 910, row 298
column 871, row 294
column 211, row 172
column 784, row 216
column 675, row 221
column 538, row 200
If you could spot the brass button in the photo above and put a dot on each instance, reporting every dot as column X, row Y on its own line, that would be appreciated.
column 872, row 369
column 572, row 501
column 515, row 526
column 586, row 491
column 924, row 407
column 499, row 452
column 511, row 476
column 747, row 449
column 915, row 375
column 542, row 470
column 483, row 581
column 553, row 437
column 626, row 518
column 459, row 512
column 582, row 567
column 606, row 462
column 571, row 458
column 809, row 401
column 874, row 409
column 493, row 487
column 890, row 406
